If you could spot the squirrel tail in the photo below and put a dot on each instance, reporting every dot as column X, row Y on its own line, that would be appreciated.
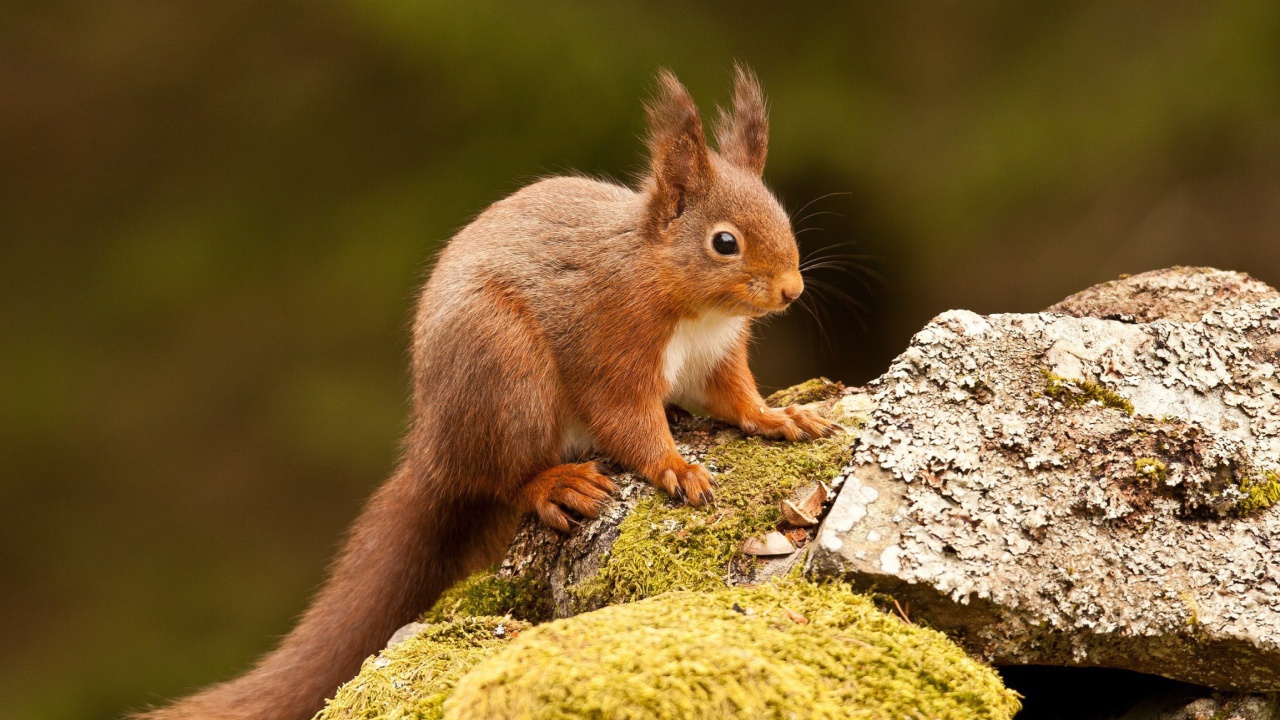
column 404, row 550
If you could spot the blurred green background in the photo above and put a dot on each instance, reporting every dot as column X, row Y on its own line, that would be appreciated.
column 214, row 217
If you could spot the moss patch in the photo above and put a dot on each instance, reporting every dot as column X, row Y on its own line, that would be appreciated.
column 1079, row 393
column 809, row 391
column 1153, row 469
column 666, row 545
column 487, row 592
column 413, row 678
column 1261, row 490
column 734, row 653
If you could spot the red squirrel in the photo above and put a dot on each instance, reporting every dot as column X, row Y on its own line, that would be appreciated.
column 565, row 317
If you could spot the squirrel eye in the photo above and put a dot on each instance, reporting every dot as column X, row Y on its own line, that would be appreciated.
column 725, row 243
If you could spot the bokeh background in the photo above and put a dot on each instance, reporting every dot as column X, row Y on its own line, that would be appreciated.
column 214, row 217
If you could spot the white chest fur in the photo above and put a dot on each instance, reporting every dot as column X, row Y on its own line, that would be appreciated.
column 696, row 347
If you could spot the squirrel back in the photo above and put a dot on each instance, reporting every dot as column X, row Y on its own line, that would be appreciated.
column 564, row 317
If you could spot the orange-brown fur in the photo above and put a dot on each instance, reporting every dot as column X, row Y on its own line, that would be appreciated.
column 551, row 314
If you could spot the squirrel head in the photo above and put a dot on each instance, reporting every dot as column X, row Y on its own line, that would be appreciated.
column 726, row 240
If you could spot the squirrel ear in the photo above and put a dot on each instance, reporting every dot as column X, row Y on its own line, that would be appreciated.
column 680, row 163
column 743, row 134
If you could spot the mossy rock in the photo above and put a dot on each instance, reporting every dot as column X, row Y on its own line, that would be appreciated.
column 411, row 679
column 647, row 543
column 809, row 391
column 663, row 544
column 666, row 545
column 491, row 593
column 795, row 649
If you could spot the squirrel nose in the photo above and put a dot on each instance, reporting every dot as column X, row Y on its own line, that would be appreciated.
column 791, row 287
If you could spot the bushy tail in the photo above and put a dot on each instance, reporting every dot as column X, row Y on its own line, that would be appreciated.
column 408, row 546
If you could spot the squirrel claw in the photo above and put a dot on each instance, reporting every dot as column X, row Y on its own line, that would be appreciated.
column 790, row 423
column 691, row 483
column 579, row 488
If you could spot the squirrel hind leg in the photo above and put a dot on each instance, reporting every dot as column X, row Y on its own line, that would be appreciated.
column 559, row 492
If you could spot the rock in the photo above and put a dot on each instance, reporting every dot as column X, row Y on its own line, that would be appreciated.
column 1218, row 706
column 1246, row 707
column 1066, row 489
column 1180, row 293
column 405, row 632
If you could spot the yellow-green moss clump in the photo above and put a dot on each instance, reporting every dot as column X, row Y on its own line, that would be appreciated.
column 667, row 545
column 792, row 650
column 413, row 678
column 486, row 592
column 1152, row 468
column 809, row 391
column 1078, row 393
column 1261, row 491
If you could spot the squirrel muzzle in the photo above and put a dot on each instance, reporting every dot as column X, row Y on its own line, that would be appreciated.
column 789, row 288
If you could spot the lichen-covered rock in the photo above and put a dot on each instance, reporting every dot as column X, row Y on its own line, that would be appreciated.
column 1218, row 706
column 789, row 650
column 1073, row 490
column 1179, row 293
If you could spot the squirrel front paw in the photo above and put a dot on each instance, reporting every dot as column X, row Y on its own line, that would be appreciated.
column 576, row 487
column 687, row 481
column 791, row 422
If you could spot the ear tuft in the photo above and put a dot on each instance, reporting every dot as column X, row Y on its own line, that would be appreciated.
column 680, row 166
column 743, row 134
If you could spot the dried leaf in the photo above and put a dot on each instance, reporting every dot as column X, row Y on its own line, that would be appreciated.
column 795, row 517
column 795, row 617
column 774, row 543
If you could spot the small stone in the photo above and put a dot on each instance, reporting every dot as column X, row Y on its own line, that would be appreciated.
column 406, row 632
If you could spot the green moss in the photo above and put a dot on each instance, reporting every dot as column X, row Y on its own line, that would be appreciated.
column 413, row 678
column 734, row 653
column 1152, row 468
column 1079, row 393
column 1193, row 610
column 487, row 592
column 1261, row 491
column 810, row 391
column 667, row 545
